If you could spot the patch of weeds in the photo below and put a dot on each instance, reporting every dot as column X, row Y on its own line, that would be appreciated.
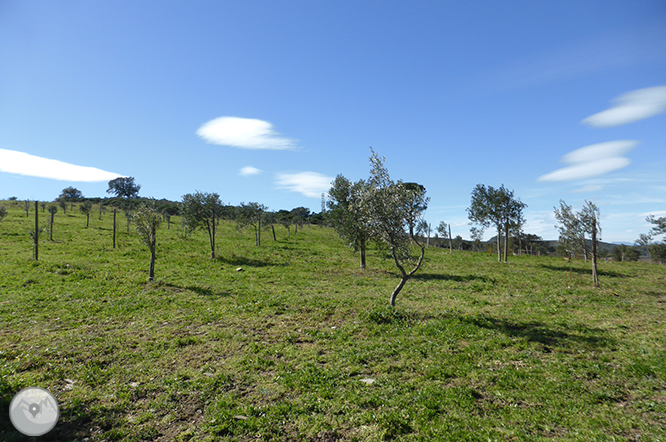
column 395, row 424
column 388, row 315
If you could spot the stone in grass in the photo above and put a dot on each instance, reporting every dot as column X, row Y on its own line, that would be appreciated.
column 368, row 381
column 240, row 417
column 239, row 269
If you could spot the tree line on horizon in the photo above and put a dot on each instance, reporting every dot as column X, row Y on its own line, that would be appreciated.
column 379, row 210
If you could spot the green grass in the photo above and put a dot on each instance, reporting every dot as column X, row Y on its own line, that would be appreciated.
column 475, row 350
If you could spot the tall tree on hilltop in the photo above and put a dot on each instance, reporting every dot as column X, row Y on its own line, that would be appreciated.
column 71, row 194
column 394, row 210
column 147, row 220
column 498, row 208
column 202, row 210
column 347, row 215
column 124, row 187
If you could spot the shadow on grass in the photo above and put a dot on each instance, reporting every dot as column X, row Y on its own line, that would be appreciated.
column 243, row 261
column 457, row 278
column 579, row 336
column 535, row 331
column 203, row 291
column 579, row 270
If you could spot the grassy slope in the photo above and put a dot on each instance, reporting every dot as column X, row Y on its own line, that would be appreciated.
column 475, row 350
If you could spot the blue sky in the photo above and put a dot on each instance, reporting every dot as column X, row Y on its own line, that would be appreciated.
column 268, row 100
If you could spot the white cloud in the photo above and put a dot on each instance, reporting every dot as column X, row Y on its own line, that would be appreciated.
column 591, row 161
column 249, row 170
column 245, row 133
column 632, row 106
column 21, row 163
column 310, row 184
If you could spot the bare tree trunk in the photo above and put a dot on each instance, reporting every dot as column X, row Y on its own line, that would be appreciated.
column 595, row 276
column 87, row 219
column 363, row 253
column 397, row 290
column 36, row 231
column 114, row 228
column 450, row 240
column 506, row 242
column 405, row 276
column 151, row 273
column 51, row 227
column 212, row 240
column 273, row 229
column 259, row 231
column 499, row 246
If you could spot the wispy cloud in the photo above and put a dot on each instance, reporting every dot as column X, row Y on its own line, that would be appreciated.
column 310, row 184
column 632, row 106
column 244, row 133
column 591, row 161
column 249, row 170
column 589, row 188
column 21, row 163
column 611, row 50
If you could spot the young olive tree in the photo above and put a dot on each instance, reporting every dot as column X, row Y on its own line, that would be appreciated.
column 86, row 208
column 394, row 210
column 252, row 214
column 347, row 215
column 574, row 227
column 498, row 208
column 202, row 210
column 572, row 234
column 63, row 205
column 589, row 220
column 445, row 231
column 147, row 220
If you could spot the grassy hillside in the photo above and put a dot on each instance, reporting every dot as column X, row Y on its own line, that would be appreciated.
column 300, row 345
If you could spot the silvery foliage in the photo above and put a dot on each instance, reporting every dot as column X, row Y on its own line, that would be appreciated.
column 201, row 209
column 572, row 230
column 589, row 219
column 346, row 210
column 392, row 209
column 147, row 220
column 659, row 225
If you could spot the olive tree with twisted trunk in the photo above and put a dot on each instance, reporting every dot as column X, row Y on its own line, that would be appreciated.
column 394, row 210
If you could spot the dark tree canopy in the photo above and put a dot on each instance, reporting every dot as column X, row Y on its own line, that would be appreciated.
column 124, row 187
column 71, row 194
